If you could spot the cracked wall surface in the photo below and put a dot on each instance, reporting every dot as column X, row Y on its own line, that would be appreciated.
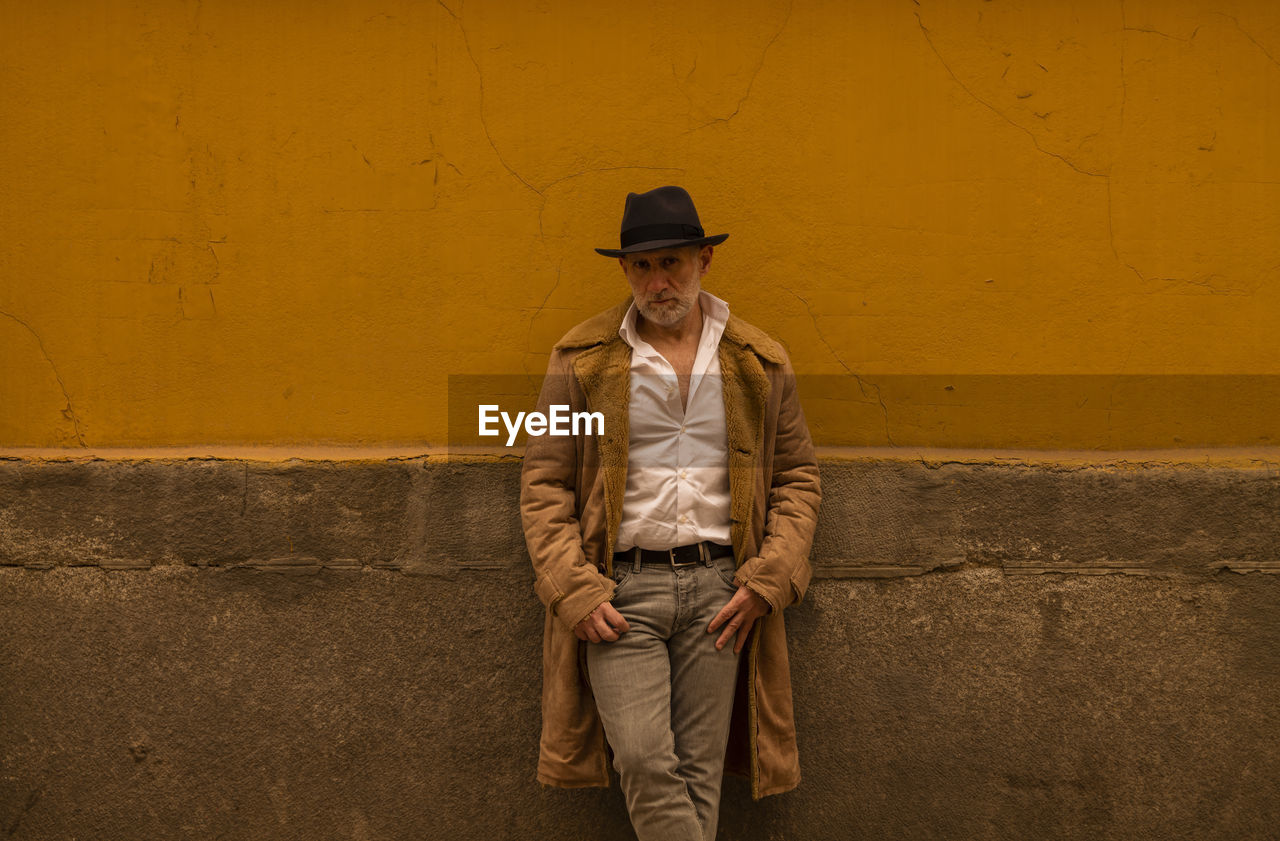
column 238, row 223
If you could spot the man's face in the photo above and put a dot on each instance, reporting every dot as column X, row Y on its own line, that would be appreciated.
column 665, row 283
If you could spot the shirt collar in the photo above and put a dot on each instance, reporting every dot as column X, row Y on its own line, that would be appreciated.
column 715, row 314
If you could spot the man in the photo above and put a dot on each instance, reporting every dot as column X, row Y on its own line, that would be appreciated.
column 670, row 543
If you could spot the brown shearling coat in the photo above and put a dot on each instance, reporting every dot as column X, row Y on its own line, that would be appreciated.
column 571, row 502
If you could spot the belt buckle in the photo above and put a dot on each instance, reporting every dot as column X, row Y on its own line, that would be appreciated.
column 671, row 554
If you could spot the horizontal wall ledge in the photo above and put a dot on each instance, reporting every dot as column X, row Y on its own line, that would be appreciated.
column 886, row 512
column 1218, row 456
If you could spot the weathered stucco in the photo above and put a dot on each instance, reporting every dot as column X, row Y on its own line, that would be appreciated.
column 282, row 223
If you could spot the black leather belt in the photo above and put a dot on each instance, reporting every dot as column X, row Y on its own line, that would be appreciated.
column 680, row 556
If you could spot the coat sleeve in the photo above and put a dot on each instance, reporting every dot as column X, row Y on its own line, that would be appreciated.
column 569, row 586
column 780, row 573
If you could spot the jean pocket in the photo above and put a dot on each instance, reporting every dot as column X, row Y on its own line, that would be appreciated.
column 621, row 575
column 726, row 569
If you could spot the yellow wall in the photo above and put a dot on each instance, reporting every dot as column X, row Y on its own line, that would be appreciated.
column 289, row 222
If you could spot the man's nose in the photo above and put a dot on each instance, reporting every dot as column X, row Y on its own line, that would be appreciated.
column 659, row 279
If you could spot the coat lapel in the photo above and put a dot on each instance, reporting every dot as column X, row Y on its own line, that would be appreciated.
column 746, row 393
column 604, row 372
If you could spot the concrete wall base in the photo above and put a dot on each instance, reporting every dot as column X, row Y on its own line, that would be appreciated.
column 992, row 648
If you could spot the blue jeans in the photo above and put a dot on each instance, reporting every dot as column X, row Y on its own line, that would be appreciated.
column 665, row 695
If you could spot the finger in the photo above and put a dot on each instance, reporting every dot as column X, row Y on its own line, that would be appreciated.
column 729, row 631
column 579, row 633
column 591, row 634
column 602, row 628
column 616, row 619
column 725, row 612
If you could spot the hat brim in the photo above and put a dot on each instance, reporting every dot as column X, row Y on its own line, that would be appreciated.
column 656, row 244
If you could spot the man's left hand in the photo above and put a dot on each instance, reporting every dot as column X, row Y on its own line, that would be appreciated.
column 741, row 612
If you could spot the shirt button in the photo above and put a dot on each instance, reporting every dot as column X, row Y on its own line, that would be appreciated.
column 684, row 519
column 684, row 474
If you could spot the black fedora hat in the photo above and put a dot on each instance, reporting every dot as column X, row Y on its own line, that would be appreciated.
column 661, row 218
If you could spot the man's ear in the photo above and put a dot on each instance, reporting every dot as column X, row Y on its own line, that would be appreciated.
column 622, row 261
column 704, row 258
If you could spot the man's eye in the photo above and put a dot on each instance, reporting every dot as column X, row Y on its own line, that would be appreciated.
column 641, row 265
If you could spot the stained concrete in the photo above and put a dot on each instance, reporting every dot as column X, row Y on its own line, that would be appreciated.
column 952, row 677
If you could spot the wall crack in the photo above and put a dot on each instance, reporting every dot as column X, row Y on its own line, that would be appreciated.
column 1246, row 34
column 862, row 384
column 466, row 42
column 755, row 73
column 997, row 111
column 69, row 411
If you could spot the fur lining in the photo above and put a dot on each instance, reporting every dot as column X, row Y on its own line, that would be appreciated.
column 597, row 330
column 602, row 328
column 604, row 372
column 746, row 393
column 741, row 333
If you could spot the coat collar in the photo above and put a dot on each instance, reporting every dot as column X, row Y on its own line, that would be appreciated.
column 602, row 329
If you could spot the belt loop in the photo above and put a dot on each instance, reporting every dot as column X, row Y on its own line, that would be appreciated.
column 704, row 554
column 635, row 561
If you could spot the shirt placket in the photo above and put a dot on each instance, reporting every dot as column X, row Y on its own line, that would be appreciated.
column 677, row 415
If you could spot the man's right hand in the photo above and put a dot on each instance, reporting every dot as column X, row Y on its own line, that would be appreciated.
column 604, row 624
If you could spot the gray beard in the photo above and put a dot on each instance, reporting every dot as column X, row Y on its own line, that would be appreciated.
column 665, row 317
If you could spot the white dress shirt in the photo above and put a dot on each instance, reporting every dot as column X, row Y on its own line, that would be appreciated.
column 678, row 458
